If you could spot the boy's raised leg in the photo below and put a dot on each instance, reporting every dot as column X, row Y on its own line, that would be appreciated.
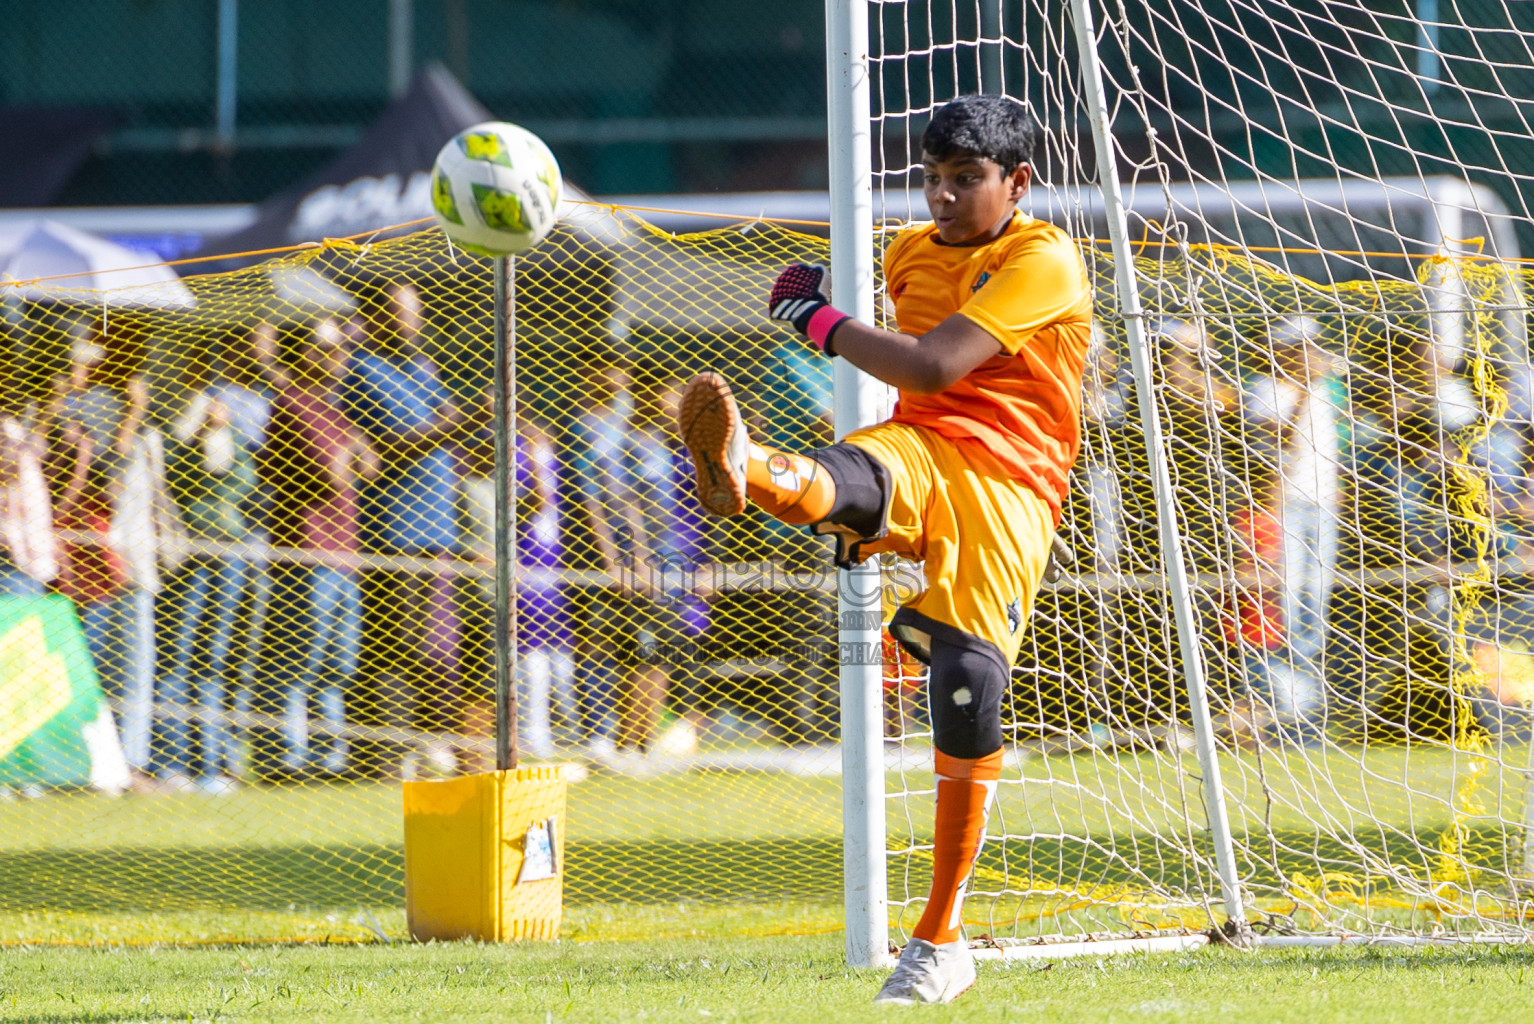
column 731, row 467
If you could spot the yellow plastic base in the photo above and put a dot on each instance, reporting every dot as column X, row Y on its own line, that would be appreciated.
column 463, row 853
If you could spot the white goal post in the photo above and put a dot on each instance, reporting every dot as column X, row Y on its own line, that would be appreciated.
column 1284, row 691
column 858, row 398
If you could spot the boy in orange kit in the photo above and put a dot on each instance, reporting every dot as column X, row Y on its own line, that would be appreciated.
column 968, row 475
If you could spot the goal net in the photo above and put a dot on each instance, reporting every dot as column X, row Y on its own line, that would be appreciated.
column 210, row 697
column 1325, row 210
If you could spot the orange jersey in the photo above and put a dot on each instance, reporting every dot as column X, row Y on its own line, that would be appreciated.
column 1029, row 291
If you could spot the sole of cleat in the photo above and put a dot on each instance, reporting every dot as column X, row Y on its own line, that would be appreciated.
column 959, row 993
column 707, row 423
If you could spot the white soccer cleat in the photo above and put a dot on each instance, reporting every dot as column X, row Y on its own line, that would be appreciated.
column 929, row 973
column 711, row 428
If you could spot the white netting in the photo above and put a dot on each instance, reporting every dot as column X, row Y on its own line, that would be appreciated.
column 1325, row 219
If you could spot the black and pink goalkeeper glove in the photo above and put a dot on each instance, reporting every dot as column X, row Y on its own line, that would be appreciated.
column 797, row 300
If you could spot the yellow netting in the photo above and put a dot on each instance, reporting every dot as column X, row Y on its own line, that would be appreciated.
column 272, row 487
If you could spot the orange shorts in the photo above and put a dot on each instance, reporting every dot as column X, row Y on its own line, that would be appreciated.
column 983, row 537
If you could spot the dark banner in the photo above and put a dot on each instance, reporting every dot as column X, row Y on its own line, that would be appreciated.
column 382, row 179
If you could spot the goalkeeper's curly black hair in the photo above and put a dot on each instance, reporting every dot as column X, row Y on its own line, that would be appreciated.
column 998, row 128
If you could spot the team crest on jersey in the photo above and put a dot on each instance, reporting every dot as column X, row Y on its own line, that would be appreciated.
column 980, row 282
column 1015, row 615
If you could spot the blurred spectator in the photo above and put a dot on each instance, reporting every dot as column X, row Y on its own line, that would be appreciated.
column 1253, row 624
column 1500, row 634
column 1419, row 508
column 606, row 524
column 1500, row 631
column 394, row 394
column 1105, row 398
column 796, row 396
column 475, row 601
column 1199, row 403
column 1300, row 405
column 29, row 556
column 211, row 469
column 1509, row 464
column 1408, row 410
column 1105, row 406
column 252, row 376
column 670, row 611
column 107, row 476
column 1211, row 469
column 544, row 665
column 545, row 659
column 313, row 461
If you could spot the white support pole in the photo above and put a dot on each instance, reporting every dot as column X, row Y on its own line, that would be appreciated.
column 991, row 49
column 1166, row 511
column 401, row 45
column 1429, row 64
column 857, row 404
column 227, row 99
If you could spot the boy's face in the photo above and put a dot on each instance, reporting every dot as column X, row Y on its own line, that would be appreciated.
column 606, row 383
column 324, row 357
column 970, row 197
column 396, row 327
column 405, row 308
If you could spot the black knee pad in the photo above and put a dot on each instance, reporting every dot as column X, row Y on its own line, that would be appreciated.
column 964, row 694
column 862, row 488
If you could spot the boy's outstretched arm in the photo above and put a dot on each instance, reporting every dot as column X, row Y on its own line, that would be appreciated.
column 922, row 364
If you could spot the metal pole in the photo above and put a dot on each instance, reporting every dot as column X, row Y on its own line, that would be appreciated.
column 504, row 297
column 228, row 72
column 1178, row 589
column 857, row 405
column 401, row 45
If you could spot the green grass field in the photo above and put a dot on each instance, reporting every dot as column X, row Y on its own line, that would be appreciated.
column 746, row 854
column 726, row 888
column 761, row 979
column 720, row 853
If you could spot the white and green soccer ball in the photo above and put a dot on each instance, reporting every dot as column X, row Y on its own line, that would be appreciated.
column 495, row 189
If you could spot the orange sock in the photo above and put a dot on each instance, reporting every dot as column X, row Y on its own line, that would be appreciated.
column 965, row 789
column 790, row 488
